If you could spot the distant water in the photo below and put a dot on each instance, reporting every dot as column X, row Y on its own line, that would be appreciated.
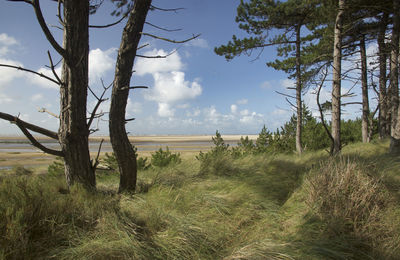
column 24, row 146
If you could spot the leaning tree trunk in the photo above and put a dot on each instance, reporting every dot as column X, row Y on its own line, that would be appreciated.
column 384, row 121
column 123, row 150
column 73, row 131
column 337, row 70
column 299, row 123
column 364, row 87
column 394, row 81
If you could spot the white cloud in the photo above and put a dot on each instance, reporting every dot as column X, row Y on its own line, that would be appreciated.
column 151, row 66
column 133, row 107
column 172, row 87
column 234, row 109
column 287, row 83
column 165, row 110
column 43, row 82
column 36, row 97
column 198, row 42
column 242, row 101
column 7, row 75
column 100, row 62
column 253, row 118
column 4, row 99
column 280, row 112
column 244, row 112
column 5, row 42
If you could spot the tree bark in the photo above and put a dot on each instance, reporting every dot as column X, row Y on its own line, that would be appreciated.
column 336, row 86
column 364, row 88
column 73, row 132
column 384, row 123
column 394, row 81
column 299, row 123
column 123, row 150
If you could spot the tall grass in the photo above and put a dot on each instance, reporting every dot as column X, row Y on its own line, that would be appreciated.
column 252, row 207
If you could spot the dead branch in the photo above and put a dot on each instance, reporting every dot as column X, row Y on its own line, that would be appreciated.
column 35, row 128
column 166, row 10
column 31, row 71
column 169, row 40
column 156, row 57
column 109, row 25
column 52, row 67
column 96, row 161
column 134, row 87
column 44, row 110
column 285, row 95
column 163, row 29
column 99, row 101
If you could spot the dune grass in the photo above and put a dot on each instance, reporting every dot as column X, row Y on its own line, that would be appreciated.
column 253, row 207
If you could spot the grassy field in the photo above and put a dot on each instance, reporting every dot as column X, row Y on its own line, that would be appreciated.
column 252, row 207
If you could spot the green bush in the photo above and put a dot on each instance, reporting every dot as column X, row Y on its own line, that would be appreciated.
column 56, row 168
column 22, row 171
column 110, row 161
column 163, row 158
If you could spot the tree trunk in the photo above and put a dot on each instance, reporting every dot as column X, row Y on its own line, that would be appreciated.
column 394, row 81
column 123, row 150
column 336, row 87
column 73, row 131
column 364, row 87
column 384, row 123
column 299, row 123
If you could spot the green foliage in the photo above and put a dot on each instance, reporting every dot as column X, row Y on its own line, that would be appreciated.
column 110, row 161
column 163, row 158
column 56, row 168
column 21, row 171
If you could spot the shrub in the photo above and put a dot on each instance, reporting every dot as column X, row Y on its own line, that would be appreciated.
column 110, row 161
column 22, row 171
column 163, row 158
column 350, row 202
column 56, row 168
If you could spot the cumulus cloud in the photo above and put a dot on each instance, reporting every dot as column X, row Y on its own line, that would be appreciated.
column 234, row 109
column 7, row 75
column 151, row 66
column 6, row 42
column 171, row 90
column 100, row 62
column 4, row 99
column 36, row 97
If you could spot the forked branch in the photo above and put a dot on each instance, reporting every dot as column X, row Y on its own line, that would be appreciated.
column 31, row 71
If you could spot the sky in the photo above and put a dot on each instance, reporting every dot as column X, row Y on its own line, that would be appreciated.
column 193, row 91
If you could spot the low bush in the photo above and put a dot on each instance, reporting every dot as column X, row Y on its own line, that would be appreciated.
column 163, row 158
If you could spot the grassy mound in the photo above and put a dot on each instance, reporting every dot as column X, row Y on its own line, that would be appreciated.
column 252, row 207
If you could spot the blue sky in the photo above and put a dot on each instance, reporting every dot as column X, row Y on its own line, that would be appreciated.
column 193, row 91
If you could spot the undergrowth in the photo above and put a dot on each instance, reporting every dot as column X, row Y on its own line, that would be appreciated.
column 252, row 206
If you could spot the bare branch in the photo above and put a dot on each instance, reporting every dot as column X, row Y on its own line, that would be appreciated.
column 45, row 29
column 99, row 101
column 35, row 128
column 53, row 69
column 134, row 87
column 163, row 29
column 96, row 161
column 143, row 46
column 166, row 10
column 31, row 71
column 156, row 57
column 44, row 110
column 286, row 95
column 169, row 40
column 129, row 119
column 109, row 25
column 36, row 143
